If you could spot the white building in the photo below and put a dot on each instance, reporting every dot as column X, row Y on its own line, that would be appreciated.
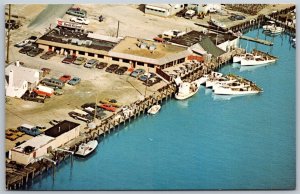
column 164, row 10
column 205, row 8
column 41, row 145
column 19, row 79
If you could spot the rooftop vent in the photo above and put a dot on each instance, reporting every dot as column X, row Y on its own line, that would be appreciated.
column 152, row 47
column 143, row 45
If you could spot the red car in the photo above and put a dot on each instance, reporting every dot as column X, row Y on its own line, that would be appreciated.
column 65, row 78
column 108, row 107
column 69, row 59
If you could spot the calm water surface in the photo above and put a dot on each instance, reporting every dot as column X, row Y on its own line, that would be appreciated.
column 206, row 142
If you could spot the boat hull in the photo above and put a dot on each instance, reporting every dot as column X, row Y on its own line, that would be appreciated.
column 154, row 109
column 179, row 96
column 245, row 62
column 87, row 148
column 223, row 91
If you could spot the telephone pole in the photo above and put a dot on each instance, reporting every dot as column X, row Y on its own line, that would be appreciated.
column 8, row 34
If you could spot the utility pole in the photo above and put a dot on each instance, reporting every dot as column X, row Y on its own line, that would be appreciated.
column 8, row 35
column 118, row 29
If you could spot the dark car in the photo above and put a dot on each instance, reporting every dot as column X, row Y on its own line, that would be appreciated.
column 32, row 39
column 12, row 24
column 74, row 81
column 101, row 65
column 26, row 49
column 65, row 78
column 48, row 55
column 112, row 68
column 137, row 72
column 147, row 76
column 34, row 52
column 121, row 70
column 69, row 59
column 237, row 17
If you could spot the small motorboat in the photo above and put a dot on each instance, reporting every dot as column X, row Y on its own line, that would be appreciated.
column 256, row 61
column 85, row 149
column 235, row 91
column 154, row 109
column 238, row 58
column 269, row 25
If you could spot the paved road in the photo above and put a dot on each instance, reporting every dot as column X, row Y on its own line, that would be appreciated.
column 49, row 16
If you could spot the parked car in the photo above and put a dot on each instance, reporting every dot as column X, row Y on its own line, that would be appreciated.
column 91, row 63
column 112, row 102
column 47, row 55
column 147, row 76
column 34, row 52
column 69, row 59
column 92, row 104
column 137, row 72
column 108, row 107
column 80, row 20
column 65, row 78
column 80, row 61
column 32, row 96
column 29, row 130
column 74, row 81
column 77, row 12
column 121, row 70
column 26, row 49
column 101, row 65
column 12, row 24
column 112, row 68
column 236, row 17
column 53, row 82
column 22, row 43
column 58, row 91
column 98, row 112
column 81, row 115
column 32, row 39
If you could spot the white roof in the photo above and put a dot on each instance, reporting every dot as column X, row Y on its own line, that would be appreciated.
column 36, row 142
column 21, row 74
column 161, row 7
column 27, row 126
column 89, row 109
column 103, row 37
column 80, row 112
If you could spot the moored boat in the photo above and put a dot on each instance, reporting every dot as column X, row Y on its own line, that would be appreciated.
column 187, row 90
column 257, row 61
column 85, row 149
column 235, row 91
column 238, row 58
column 154, row 109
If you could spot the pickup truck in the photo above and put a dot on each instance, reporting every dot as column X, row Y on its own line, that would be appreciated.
column 29, row 130
column 32, row 96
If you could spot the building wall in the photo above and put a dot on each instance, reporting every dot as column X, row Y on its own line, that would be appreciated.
column 57, row 142
column 13, row 91
column 229, row 44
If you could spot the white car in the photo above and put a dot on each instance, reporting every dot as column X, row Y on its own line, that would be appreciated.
column 23, row 43
column 80, row 20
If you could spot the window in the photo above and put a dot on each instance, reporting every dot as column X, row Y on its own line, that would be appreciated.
column 115, row 59
column 140, row 63
column 151, row 65
column 180, row 60
column 125, row 61
column 91, row 54
column 100, row 56
column 81, row 52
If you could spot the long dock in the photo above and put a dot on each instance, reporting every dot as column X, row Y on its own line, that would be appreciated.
column 265, row 42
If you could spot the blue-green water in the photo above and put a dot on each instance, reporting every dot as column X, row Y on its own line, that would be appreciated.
column 206, row 142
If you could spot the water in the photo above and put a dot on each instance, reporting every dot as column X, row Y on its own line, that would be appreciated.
column 206, row 142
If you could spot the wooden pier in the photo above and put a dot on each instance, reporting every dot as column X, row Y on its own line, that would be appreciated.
column 265, row 42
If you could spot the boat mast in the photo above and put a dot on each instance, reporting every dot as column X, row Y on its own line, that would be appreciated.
column 8, row 34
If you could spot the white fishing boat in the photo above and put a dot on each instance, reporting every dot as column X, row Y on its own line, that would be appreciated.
column 154, row 109
column 238, row 58
column 223, row 83
column 85, row 149
column 269, row 24
column 256, row 61
column 275, row 30
column 235, row 91
column 214, row 76
column 187, row 90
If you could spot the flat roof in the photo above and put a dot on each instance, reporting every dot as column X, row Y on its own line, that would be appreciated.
column 62, row 37
column 193, row 37
column 61, row 128
column 36, row 142
column 129, row 45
